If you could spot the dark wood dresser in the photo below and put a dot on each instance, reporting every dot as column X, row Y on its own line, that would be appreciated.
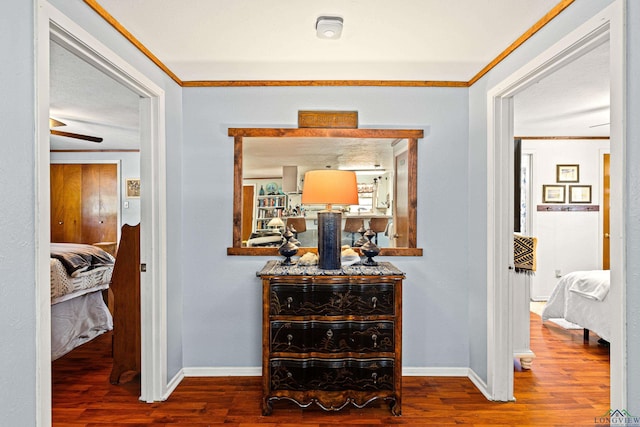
column 331, row 337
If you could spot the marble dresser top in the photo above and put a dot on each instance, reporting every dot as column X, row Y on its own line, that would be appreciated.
column 275, row 268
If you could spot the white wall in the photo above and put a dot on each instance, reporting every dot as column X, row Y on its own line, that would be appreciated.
column 567, row 241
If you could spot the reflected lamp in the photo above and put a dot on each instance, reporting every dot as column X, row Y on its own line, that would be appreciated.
column 329, row 187
column 276, row 223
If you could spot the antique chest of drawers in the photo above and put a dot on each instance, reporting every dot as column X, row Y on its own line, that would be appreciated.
column 331, row 337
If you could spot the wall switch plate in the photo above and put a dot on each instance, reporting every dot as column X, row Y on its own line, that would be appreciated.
column 126, row 205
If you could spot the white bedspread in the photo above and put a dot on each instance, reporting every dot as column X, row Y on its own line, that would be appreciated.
column 581, row 297
column 590, row 284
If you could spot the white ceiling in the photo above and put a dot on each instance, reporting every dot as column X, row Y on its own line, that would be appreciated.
column 275, row 40
column 90, row 103
column 573, row 101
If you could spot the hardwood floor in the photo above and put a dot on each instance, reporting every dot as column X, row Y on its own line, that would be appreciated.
column 568, row 385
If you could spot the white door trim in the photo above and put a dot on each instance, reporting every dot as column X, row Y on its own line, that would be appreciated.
column 606, row 25
column 51, row 23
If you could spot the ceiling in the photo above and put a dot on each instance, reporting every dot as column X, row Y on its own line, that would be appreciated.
column 266, row 40
column 276, row 39
column 90, row 103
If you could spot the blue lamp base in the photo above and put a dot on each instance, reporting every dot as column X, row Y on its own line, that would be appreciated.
column 329, row 238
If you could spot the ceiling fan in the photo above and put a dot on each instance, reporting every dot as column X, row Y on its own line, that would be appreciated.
column 56, row 123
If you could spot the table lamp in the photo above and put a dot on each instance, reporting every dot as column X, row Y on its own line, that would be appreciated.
column 276, row 223
column 329, row 187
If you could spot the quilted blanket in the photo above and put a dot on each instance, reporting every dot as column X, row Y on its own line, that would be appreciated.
column 79, row 258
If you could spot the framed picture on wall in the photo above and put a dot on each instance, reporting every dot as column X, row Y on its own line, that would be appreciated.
column 133, row 188
column 579, row 194
column 567, row 173
column 553, row 193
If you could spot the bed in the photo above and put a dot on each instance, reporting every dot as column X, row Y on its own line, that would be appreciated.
column 582, row 298
column 79, row 274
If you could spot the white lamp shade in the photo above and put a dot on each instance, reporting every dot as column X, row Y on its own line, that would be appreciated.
column 275, row 222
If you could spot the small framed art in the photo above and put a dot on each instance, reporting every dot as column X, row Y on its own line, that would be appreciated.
column 579, row 194
column 553, row 194
column 133, row 188
column 567, row 173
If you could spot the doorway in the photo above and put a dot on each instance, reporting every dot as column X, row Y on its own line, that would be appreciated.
column 605, row 26
column 53, row 25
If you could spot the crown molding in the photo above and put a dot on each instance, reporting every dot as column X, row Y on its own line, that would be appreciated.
column 548, row 17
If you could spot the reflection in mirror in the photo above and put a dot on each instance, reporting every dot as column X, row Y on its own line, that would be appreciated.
column 269, row 177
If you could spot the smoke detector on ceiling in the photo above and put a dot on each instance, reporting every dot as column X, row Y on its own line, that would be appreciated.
column 329, row 27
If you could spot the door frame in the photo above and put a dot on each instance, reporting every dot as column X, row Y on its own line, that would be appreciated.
column 606, row 210
column 606, row 25
column 53, row 24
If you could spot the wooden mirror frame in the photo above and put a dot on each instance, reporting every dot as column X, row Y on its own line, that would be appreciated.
column 411, row 135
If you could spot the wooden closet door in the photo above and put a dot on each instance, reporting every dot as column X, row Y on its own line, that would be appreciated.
column 84, row 203
column 99, row 203
column 66, row 203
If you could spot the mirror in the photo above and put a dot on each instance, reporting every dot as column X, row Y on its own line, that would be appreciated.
column 269, row 167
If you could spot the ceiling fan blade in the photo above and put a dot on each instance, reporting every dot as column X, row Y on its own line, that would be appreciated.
column 53, row 123
column 76, row 136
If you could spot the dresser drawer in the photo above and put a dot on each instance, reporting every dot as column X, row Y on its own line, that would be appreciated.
column 332, row 374
column 332, row 337
column 319, row 299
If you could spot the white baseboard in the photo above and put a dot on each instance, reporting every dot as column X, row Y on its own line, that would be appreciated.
column 204, row 371
column 257, row 371
column 479, row 383
column 173, row 384
column 434, row 372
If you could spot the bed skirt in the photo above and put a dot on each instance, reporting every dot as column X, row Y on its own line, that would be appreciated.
column 77, row 321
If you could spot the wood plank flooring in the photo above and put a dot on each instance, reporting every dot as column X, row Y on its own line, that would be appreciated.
column 568, row 385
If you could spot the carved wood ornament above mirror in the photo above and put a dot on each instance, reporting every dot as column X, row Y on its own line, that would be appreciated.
column 405, row 226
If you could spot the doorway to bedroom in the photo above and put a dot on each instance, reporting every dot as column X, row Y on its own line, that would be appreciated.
column 55, row 27
column 607, row 27
column 561, row 121
column 568, row 230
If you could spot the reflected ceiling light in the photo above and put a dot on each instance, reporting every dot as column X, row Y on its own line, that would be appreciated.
column 329, row 27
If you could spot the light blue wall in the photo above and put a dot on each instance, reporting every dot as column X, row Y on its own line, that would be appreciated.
column 222, row 297
column 633, row 207
column 17, row 225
